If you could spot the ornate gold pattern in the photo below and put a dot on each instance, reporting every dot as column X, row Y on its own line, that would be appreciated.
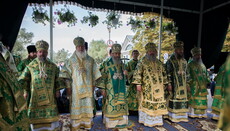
column 157, row 124
column 44, row 120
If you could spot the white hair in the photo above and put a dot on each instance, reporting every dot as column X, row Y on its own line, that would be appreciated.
column 81, row 55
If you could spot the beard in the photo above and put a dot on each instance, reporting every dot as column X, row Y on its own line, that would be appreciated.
column 81, row 55
column 32, row 57
column 151, row 57
column 42, row 59
column 199, row 61
column 116, row 60
column 179, row 56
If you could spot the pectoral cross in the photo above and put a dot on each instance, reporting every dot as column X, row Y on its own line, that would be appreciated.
column 117, row 75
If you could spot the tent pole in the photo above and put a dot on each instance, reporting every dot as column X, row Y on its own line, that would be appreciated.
column 200, row 23
column 51, row 29
column 216, row 7
column 160, row 30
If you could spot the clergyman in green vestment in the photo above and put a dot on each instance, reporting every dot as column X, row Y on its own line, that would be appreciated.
column 8, row 58
column 80, row 73
column 40, row 77
column 151, row 79
column 131, row 88
column 113, row 84
column 176, row 69
column 17, row 59
column 219, row 93
column 102, row 65
column 224, row 120
column 32, row 54
column 13, row 111
column 198, row 81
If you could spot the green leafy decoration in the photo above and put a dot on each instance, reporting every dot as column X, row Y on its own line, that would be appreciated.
column 170, row 27
column 92, row 19
column 112, row 20
column 151, row 23
column 135, row 23
column 65, row 15
column 39, row 15
column 145, row 35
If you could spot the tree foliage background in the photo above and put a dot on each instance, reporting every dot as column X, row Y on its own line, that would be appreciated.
column 145, row 35
column 98, row 50
column 61, row 56
column 23, row 40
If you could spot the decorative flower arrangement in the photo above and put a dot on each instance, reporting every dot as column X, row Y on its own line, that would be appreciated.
column 92, row 19
column 65, row 15
column 39, row 15
column 112, row 19
column 170, row 28
column 134, row 23
column 151, row 24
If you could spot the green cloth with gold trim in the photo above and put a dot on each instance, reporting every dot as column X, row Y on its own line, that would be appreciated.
column 198, row 80
column 113, row 81
column 224, row 120
column 176, row 70
column 13, row 112
column 220, row 90
column 17, row 59
column 42, row 103
column 131, row 88
column 22, row 65
column 102, row 66
column 152, row 77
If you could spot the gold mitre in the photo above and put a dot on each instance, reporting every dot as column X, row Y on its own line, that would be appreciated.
column 150, row 47
column 42, row 45
column 116, row 48
column 195, row 51
column 178, row 44
column 79, row 41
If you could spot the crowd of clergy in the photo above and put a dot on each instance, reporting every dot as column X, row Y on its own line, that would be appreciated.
column 145, row 87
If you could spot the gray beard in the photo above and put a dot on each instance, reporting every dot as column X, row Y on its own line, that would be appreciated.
column 199, row 61
column 116, row 60
column 42, row 59
column 151, row 57
column 81, row 55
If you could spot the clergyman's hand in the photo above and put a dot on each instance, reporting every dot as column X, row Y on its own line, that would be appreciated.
column 169, row 87
column 103, row 93
column 138, row 87
column 125, row 72
column 25, row 95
